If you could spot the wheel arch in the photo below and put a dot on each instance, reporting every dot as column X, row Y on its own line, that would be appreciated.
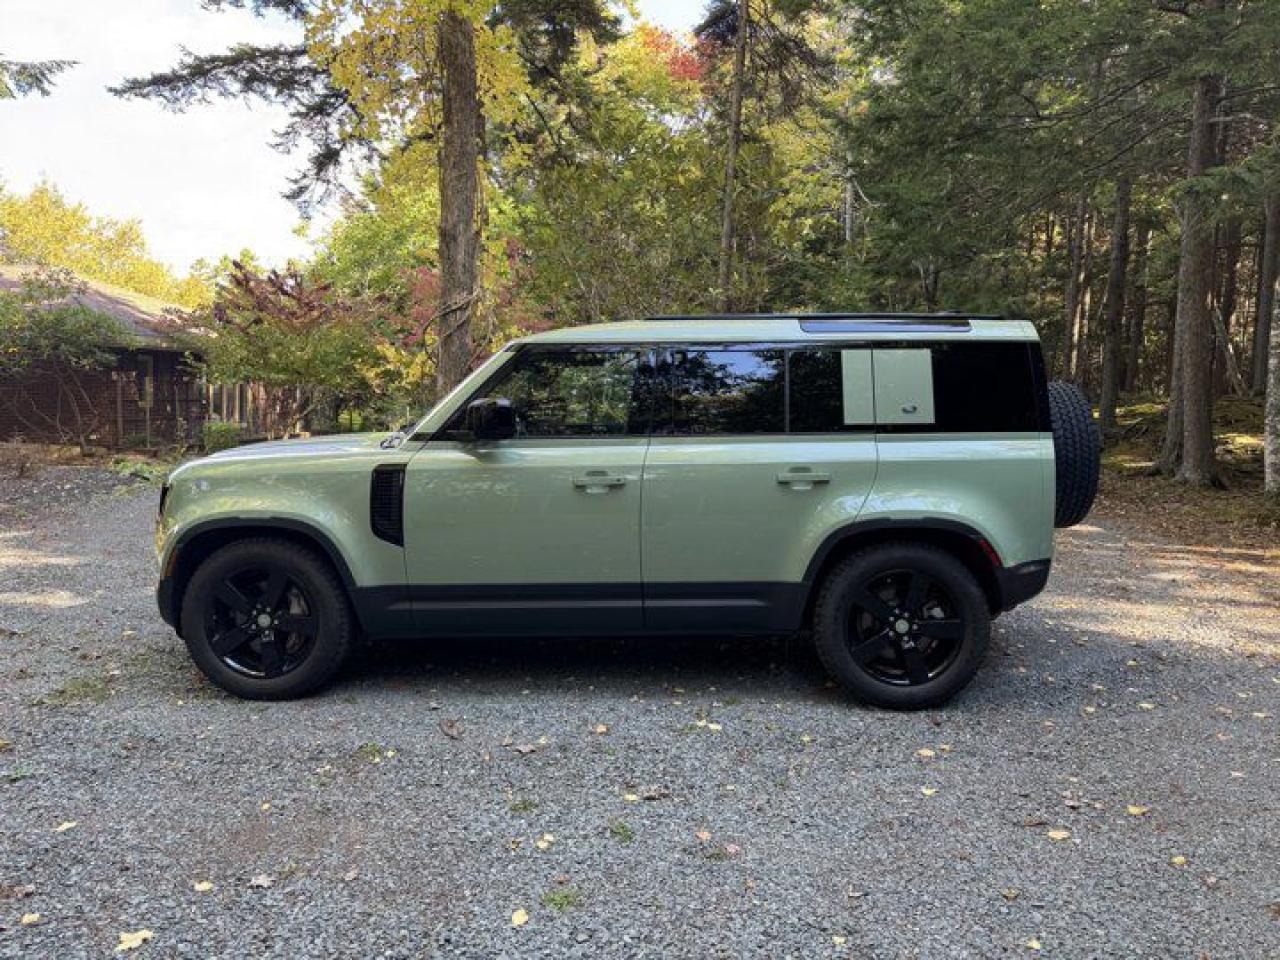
column 200, row 541
column 960, row 540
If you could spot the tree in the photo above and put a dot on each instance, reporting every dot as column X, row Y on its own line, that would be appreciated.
column 309, row 347
column 1113, row 309
column 43, row 227
column 380, row 77
column 19, row 78
column 42, row 330
column 1268, row 278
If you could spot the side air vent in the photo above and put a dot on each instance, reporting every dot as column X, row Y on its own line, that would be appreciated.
column 386, row 503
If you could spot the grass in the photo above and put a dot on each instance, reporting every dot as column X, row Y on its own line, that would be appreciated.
column 79, row 690
column 522, row 805
column 622, row 831
column 562, row 900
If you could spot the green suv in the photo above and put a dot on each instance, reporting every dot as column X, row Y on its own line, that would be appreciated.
column 888, row 482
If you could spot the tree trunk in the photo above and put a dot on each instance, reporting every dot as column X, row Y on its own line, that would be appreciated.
column 460, row 148
column 1271, row 418
column 725, row 275
column 1194, row 346
column 1225, row 303
column 1080, row 362
column 1113, row 310
column 1268, row 275
column 1137, row 308
column 1075, row 230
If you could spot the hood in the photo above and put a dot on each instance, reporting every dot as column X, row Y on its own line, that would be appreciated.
column 336, row 447
column 327, row 446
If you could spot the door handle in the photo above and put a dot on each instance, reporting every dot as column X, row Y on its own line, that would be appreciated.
column 803, row 478
column 598, row 481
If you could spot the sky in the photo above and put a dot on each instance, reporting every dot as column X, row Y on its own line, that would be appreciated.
column 205, row 182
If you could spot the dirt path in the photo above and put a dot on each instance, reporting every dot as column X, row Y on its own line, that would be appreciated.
column 734, row 807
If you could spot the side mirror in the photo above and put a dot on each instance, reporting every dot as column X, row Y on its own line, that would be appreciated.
column 491, row 418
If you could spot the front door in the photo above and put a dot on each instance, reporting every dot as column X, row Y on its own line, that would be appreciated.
column 762, row 450
column 539, row 533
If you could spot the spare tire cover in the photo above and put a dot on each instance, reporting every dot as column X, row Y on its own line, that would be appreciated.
column 1077, row 453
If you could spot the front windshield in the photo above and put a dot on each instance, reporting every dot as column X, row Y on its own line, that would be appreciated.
column 437, row 414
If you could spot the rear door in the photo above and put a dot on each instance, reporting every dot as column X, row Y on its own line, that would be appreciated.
column 539, row 533
column 756, row 452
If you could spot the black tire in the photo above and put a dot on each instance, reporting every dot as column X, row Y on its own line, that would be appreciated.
column 1077, row 453
column 292, row 586
column 856, row 626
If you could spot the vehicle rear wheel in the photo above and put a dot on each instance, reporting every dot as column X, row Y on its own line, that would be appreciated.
column 266, row 619
column 902, row 625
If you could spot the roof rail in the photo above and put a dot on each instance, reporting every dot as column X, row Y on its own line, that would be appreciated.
column 850, row 322
column 946, row 317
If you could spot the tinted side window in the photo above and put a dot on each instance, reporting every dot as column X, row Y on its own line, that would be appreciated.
column 571, row 393
column 817, row 391
column 729, row 391
column 984, row 388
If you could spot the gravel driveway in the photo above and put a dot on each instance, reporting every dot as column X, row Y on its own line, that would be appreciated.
column 658, row 798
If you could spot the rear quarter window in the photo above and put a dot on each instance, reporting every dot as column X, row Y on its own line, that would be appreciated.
column 987, row 388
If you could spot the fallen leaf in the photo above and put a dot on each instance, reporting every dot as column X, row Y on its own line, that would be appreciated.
column 202, row 886
column 944, row 747
column 451, row 728
column 132, row 941
column 806, row 738
column 544, row 842
column 715, row 727
column 66, row 825
column 261, row 881
column 631, row 797
column 520, row 917
column 350, row 875
column 928, row 791
column 601, row 729
column 1033, row 944
column 30, row 919
column 732, row 849
column 1134, row 810
column 1147, row 706
column 1261, row 715
column 1010, row 893
column 838, row 940
column 525, row 748
column 1059, row 834
column 925, row 752
column 655, row 793
column 703, row 835
column 266, row 805
column 6, row 746
column 1178, row 861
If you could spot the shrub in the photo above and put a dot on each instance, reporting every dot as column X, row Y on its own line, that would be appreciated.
column 220, row 435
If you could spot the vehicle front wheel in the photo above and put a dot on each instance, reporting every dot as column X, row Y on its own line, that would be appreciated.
column 266, row 619
column 902, row 625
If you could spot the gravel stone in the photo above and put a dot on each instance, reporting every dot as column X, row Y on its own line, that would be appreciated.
column 387, row 838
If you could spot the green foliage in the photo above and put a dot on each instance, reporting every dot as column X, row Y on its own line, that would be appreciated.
column 218, row 435
column 44, row 228
column 37, row 326
column 18, row 78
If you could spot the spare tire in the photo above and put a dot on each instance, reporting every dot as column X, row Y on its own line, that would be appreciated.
column 1077, row 453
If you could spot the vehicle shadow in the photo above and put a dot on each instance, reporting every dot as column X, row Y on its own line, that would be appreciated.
column 641, row 666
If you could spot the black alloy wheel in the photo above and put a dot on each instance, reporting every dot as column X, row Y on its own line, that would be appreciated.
column 259, row 622
column 902, row 625
column 267, row 619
